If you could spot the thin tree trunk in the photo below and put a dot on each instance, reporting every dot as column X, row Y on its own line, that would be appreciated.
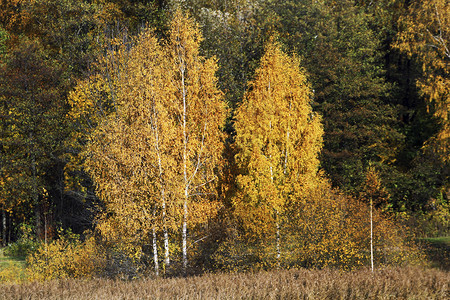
column 9, row 230
column 185, row 161
column 61, row 192
column 185, row 212
column 371, row 235
column 37, row 214
column 166, row 247
column 278, row 235
column 163, row 196
column 165, row 233
column 35, row 194
column 278, row 242
column 277, row 224
column 45, row 226
column 4, row 228
column 287, row 141
column 155, row 252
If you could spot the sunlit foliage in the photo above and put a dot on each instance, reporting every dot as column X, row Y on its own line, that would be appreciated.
column 278, row 138
column 154, row 158
column 66, row 257
column 425, row 35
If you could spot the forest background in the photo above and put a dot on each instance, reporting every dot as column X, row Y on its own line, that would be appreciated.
column 372, row 75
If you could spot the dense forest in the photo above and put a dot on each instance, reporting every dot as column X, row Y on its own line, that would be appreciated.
column 182, row 136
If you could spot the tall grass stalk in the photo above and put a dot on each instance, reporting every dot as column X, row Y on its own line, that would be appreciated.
column 382, row 283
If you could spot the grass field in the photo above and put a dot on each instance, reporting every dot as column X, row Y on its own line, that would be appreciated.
column 445, row 240
column 11, row 268
column 438, row 251
column 387, row 283
column 384, row 283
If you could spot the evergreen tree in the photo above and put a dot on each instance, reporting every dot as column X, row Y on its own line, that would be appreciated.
column 342, row 55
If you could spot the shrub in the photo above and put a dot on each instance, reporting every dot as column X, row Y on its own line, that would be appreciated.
column 25, row 245
column 66, row 257
column 327, row 229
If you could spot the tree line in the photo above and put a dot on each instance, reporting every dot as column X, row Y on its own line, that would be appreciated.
column 252, row 134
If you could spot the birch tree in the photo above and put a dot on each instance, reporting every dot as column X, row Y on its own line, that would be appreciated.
column 425, row 36
column 128, row 155
column 375, row 194
column 199, row 115
column 154, row 160
column 278, row 138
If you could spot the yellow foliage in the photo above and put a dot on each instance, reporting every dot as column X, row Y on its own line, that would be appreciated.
column 154, row 156
column 65, row 258
column 12, row 272
column 325, row 229
column 336, row 232
column 278, row 138
column 425, row 35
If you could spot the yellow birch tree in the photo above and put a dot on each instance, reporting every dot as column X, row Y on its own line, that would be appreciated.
column 154, row 160
column 425, row 35
column 129, row 154
column 199, row 116
column 278, row 138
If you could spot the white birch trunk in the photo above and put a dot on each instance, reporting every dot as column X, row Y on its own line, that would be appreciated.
column 185, row 161
column 166, row 237
column 155, row 253
column 185, row 212
column 371, row 235
column 277, row 224
column 163, row 196
column 166, row 248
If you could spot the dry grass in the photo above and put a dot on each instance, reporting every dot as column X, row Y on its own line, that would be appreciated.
column 389, row 283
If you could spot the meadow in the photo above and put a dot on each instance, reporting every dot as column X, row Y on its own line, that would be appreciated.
column 384, row 283
column 438, row 251
column 12, row 268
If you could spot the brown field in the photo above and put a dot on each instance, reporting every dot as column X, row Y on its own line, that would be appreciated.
column 388, row 283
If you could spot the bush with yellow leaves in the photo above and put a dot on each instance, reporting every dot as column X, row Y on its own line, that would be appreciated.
column 323, row 228
column 66, row 257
